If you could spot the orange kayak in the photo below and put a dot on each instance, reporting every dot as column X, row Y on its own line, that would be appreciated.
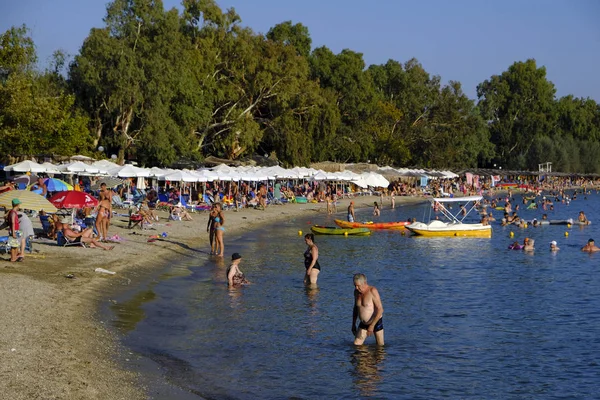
column 372, row 225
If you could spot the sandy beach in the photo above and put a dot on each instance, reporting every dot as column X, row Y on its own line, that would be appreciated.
column 54, row 344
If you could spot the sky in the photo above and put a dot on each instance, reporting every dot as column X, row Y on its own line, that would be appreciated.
column 461, row 40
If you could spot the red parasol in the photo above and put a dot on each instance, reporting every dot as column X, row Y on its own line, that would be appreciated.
column 73, row 199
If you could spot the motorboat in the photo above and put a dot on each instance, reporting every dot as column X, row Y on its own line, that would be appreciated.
column 454, row 226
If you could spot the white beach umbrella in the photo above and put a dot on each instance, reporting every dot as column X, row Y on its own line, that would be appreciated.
column 179, row 176
column 104, row 165
column 360, row 182
column 129, row 171
column 222, row 168
column 26, row 166
column 372, row 179
column 158, row 172
column 71, row 168
column 319, row 176
column 51, row 168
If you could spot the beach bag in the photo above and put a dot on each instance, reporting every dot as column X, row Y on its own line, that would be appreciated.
column 14, row 242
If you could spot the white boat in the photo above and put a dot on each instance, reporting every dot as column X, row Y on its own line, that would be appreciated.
column 455, row 225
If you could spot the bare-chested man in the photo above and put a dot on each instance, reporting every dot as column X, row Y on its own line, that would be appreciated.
column 590, row 246
column 368, row 310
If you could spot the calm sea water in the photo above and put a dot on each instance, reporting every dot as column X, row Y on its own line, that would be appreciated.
column 464, row 318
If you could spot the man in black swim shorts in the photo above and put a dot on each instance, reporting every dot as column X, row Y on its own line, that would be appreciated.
column 368, row 310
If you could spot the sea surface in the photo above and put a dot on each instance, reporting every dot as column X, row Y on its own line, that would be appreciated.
column 464, row 318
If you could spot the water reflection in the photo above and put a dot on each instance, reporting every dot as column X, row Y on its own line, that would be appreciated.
column 131, row 312
column 368, row 364
column 235, row 297
column 219, row 271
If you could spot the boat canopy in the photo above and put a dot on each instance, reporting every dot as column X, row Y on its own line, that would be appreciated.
column 456, row 199
column 455, row 217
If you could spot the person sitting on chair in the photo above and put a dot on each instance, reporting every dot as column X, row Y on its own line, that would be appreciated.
column 178, row 212
column 81, row 237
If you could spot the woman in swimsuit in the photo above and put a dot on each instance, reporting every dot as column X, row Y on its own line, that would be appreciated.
column 235, row 277
column 103, row 216
column 376, row 211
column 218, row 246
column 311, row 260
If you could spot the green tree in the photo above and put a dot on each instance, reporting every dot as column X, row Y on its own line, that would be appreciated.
column 36, row 113
column 293, row 35
column 127, row 75
column 356, row 100
column 518, row 105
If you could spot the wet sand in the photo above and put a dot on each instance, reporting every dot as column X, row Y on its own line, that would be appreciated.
column 53, row 341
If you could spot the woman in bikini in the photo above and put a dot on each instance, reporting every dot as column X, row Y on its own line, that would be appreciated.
column 218, row 246
column 103, row 216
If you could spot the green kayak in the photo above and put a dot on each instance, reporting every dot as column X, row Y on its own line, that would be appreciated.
column 334, row 230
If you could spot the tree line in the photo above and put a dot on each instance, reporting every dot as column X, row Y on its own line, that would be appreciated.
column 160, row 85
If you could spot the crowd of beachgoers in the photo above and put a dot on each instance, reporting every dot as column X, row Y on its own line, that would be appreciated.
column 62, row 275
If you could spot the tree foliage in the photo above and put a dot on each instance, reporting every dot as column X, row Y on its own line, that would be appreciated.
column 160, row 85
column 37, row 114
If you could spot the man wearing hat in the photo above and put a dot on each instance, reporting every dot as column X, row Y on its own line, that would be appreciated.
column 554, row 246
column 15, row 236
column 590, row 246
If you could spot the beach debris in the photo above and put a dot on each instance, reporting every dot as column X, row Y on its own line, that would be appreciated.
column 104, row 271
column 164, row 234
column 70, row 276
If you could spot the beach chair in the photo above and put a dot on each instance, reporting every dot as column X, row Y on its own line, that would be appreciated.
column 46, row 225
column 117, row 202
column 4, row 247
column 163, row 198
column 63, row 241
column 272, row 200
column 183, row 201
column 207, row 199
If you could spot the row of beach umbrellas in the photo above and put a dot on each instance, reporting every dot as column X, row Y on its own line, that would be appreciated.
column 69, row 199
column 222, row 172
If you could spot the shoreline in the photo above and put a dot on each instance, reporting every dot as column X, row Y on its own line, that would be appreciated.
column 54, row 340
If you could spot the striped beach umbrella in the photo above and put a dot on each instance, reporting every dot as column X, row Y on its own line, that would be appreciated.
column 29, row 200
column 57, row 185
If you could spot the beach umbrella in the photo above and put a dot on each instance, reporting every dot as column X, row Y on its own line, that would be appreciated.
column 24, row 180
column 80, row 157
column 57, row 185
column 51, row 168
column 110, row 182
column 73, row 199
column 129, row 171
column 78, row 167
column 26, row 166
column 29, row 200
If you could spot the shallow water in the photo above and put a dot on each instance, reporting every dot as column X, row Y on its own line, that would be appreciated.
column 463, row 317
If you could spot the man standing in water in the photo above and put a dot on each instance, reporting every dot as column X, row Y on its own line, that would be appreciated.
column 368, row 309
column 351, row 217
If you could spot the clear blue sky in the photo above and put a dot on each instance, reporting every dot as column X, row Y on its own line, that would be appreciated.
column 463, row 40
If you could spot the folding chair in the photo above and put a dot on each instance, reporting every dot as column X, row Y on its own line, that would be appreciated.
column 45, row 221
column 117, row 202
column 64, row 241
